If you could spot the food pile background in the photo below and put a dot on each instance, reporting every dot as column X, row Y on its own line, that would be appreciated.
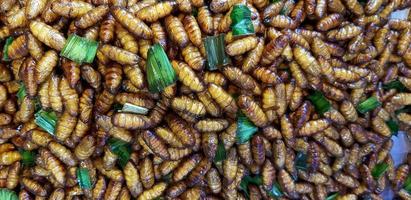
column 195, row 99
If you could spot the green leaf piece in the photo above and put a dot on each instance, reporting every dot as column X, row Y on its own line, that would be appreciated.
column 274, row 1
column 21, row 93
column 83, row 178
column 122, row 149
column 9, row 40
column 393, row 125
column 27, row 157
column 246, row 180
column 79, row 49
column 160, row 73
column 117, row 107
column 46, row 120
column 241, row 24
column 131, row 108
column 37, row 104
column 368, row 105
column 215, row 50
column 275, row 191
column 396, row 84
column 301, row 161
column 167, row 178
column 332, row 196
column 123, row 153
column 379, row 170
column 320, row 103
column 6, row 194
column 194, row 12
column 283, row 11
column 221, row 152
column 407, row 184
column 245, row 128
column 406, row 109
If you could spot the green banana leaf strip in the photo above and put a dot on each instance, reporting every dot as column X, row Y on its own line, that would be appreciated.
column 393, row 125
column 131, row 108
column 368, row 105
column 239, row 13
column 274, row 1
column 9, row 40
column 160, row 73
column 194, row 12
column 123, row 154
column 243, row 28
column 79, row 49
column 46, row 120
column 6, row 194
column 396, row 84
column 320, row 103
column 122, row 149
column 406, row 109
column 27, row 157
column 115, row 143
column 275, row 191
column 332, row 196
column 245, row 128
column 215, row 50
column 21, row 93
column 379, row 170
column 246, row 180
column 117, row 107
column 241, row 24
column 407, row 184
column 283, row 11
column 221, row 152
column 301, row 161
column 167, row 178
column 83, row 178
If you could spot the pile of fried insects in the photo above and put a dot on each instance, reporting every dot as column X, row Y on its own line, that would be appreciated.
column 197, row 99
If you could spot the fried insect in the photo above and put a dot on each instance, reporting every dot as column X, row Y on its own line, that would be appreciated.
column 176, row 32
column 47, row 35
column 161, row 10
column 187, row 76
column 241, row 46
column 119, row 55
column 193, row 30
column 241, row 79
column 131, row 23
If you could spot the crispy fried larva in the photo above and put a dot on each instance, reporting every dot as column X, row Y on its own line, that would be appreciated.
column 18, row 48
column 54, row 166
column 307, row 62
column 45, row 66
column 131, row 23
column 193, row 58
column 241, row 79
column 241, row 46
column 156, row 11
column 205, row 20
column 47, row 35
column 314, row 126
column 71, row 9
column 187, row 76
column 92, row 17
column 119, row 55
column 188, row 105
column 34, row 187
column 211, row 125
column 193, row 30
column 85, row 148
column 176, row 32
